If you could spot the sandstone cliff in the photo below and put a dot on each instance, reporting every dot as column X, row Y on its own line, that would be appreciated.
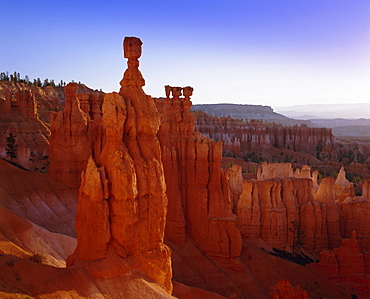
column 241, row 137
column 19, row 119
column 347, row 266
column 75, row 135
column 269, row 207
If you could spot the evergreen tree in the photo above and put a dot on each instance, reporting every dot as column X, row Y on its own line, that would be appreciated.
column 11, row 150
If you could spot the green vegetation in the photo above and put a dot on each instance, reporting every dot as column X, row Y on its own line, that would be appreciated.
column 230, row 164
column 16, row 78
column 11, row 150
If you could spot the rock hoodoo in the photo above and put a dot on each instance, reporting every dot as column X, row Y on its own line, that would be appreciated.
column 269, row 206
column 122, row 201
column 347, row 265
column 200, row 205
column 19, row 117
column 241, row 137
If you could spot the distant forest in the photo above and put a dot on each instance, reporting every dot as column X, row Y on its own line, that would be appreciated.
column 16, row 78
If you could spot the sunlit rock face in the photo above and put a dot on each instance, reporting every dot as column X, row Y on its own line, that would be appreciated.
column 122, row 202
column 200, row 205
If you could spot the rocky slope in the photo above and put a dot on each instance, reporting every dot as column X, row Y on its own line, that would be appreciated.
column 25, row 114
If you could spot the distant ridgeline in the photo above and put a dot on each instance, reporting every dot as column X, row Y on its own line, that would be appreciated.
column 248, row 112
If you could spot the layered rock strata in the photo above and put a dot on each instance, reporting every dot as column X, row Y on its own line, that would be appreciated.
column 241, row 137
column 75, row 135
column 28, row 134
column 200, row 206
column 122, row 201
column 347, row 265
column 283, row 210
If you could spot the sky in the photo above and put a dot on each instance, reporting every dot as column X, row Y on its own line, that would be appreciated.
column 263, row 52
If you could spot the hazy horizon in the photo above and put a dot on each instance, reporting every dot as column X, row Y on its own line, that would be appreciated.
column 243, row 52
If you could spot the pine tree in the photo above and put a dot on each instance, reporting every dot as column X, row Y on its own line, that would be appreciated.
column 11, row 150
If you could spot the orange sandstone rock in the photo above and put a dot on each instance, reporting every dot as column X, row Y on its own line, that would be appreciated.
column 122, row 198
column 19, row 117
column 343, row 188
column 284, row 290
column 241, row 137
column 200, row 205
column 70, row 146
column 346, row 265
column 326, row 195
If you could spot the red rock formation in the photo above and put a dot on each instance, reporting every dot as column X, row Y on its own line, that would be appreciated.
column 199, row 200
column 242, row 137
column 122, row 206
column 346, row 265
column 22, row 101
column 268, row 209
column 354, row 216
column 75, row 136
column 343, row 188
column 122, row 201
column 325, row 195
column 18, row 116
column 25, row 278
column 366, row 190
column 235, row 181
column 284, row 290
column 70, row 147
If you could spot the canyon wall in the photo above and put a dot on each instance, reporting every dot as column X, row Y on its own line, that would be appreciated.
column 241, row 137
column 277, row 208
column 76, row 134
column 23, row 136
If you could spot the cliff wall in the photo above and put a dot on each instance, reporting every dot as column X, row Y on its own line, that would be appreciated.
column 276, row 208
column 21, row 129
column 241, row 137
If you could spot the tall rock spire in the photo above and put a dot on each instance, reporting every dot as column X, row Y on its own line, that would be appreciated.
column 122, row 204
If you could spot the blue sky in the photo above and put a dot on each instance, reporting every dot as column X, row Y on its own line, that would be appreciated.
column 269, row 52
